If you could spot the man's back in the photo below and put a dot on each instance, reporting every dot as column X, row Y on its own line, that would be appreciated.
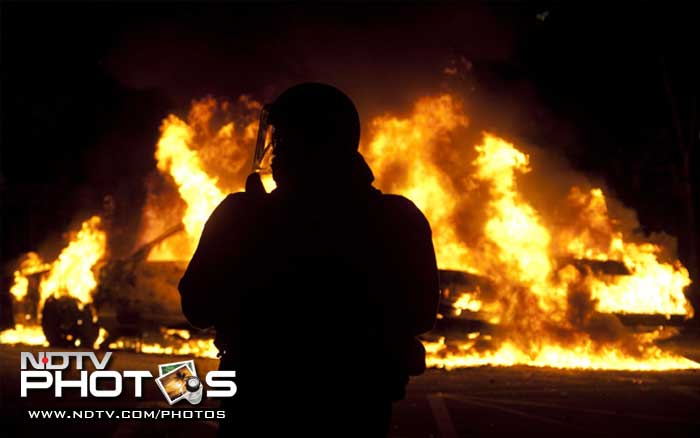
column 315, row 295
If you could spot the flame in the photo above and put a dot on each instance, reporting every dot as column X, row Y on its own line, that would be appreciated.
column 31, row 264
column 653, row 286
column 520, row 241
column 27, row 335
column 101, row 337
column 577, row 357
column 170, row 342
column 198, row 347
column 550, row 309
column 190, row 152
column 409, row 145
column 549, row 314
column 467, row 301
column 196, row 188
column 71, row 274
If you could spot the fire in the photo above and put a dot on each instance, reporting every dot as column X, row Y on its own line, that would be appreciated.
column 519, row 240
column 552, row 305
column 196, row 187
column 467, row 301
column 195, row 347
column 27, row 335
column 170, row 342
column 71, row 274
column 31, row 264
column 554, row 356
column 407, row 146
column 549, row 313
column 101, row 337
column 653, row 287
column 191, row 152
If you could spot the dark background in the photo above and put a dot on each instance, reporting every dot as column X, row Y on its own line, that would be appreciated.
column 85, row 85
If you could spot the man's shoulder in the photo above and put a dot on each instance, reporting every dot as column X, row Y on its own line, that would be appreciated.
column 239, row 200
column 398, row 207
column 235, row 208
column 399, row 203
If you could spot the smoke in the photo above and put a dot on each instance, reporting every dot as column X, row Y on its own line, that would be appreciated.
column 377, row 53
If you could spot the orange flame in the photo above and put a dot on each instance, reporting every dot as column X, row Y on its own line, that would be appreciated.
column 653, row 287
column 31, row 264
column 190, row 152
column 406, row 147
column 585, row 355
column 71, row 274
column 27, row 335
column 548, row 315
column 171, row 342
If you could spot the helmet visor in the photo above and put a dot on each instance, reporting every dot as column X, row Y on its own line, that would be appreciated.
column 262, row 158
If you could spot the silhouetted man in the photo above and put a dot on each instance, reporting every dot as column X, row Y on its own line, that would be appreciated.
column 318, row 289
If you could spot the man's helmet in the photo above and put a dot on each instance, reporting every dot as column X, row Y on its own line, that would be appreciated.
column 308, row 123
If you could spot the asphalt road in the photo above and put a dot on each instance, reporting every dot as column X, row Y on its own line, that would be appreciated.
column 477, row 402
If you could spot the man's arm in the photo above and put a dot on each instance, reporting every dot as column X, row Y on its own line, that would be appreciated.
column 416, row 264
column 207, row 280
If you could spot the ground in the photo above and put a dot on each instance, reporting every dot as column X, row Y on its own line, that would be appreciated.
column 485, row 401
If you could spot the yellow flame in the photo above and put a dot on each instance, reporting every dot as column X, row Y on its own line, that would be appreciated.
column 172, row 342
column 584, row 356
column 421, row 157
column 187, row 150
column 101, row 337
column 467, row 301
column 71, row 274
column 195, row 347
column 653, row 286
column 19, row 288
column 408, row 145
column 516, row 250
column 29, row 335
column 514, row 227
column 196, row 188
column 31, row 264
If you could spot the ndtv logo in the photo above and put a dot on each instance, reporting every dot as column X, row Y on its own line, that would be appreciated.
column 45, row 370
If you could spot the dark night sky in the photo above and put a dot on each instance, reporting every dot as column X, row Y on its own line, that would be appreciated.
column 84, row 87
